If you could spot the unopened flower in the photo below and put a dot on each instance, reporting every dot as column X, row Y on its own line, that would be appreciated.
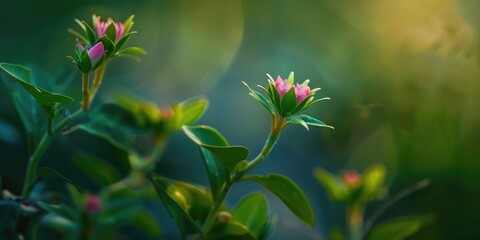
column 224, row 217
column 351, row 178
column 302, row 91
column 93, row 204
column 101, row 28
column 96, row 53
column 282, row 86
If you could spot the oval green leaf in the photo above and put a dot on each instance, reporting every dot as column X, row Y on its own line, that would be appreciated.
column 184, row 221
column 335, row 188
column 289, row 192
column 252, row 211
column 400, row 228
column 232, row 231
column 46, row 172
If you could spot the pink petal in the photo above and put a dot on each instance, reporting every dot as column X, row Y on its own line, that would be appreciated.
column 96, row 53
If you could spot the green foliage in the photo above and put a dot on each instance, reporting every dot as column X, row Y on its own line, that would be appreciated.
column 100, row 171
column 290, row 194
column 46, row 99
column 400, row 228
column 46, row 172
column 306, row 121
column 231, row 230
column 335, row 187
column 176, row 209
column 252, row 211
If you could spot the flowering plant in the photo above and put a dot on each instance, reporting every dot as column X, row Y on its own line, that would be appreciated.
column 139, row 129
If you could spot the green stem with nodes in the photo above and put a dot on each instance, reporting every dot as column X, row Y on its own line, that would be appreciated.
column 97, row 80
column 85, row 90
column 40, row 149
column 278, row 124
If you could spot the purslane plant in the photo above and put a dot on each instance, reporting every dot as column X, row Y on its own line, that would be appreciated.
column 200, row 212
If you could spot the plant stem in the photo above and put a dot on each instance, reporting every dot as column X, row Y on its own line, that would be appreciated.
column 85, row 90
column 277, row 126
column 355, row 220
column 97, row 80
column 40, row 149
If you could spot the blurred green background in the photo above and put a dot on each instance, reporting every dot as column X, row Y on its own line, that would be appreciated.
column 403, row 75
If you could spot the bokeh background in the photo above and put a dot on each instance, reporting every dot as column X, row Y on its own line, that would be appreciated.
column 403, row 75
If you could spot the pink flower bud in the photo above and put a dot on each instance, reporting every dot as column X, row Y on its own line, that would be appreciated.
column 167, row 112
column 302, row 92
column 102, row 28
column 224, row 217
column 282, row 86
column 93, row 204
column 96, row 53
column 351, row 178
column 119, row 28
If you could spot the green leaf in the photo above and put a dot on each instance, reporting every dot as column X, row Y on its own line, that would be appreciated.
column 60, row 223
column 400, row 228
column 337, row 234
column 115, row 135
column 204, row 135
column 230, row 156
column 232, row 230
column 260, row 98
column 306, row 120
column 46, row 172
column 61, row 210
column 128, row 23
column 108, row 45
column 45, row 98
column 290, row 194
column 101, row 172
column 78, row 35
column 185, row 223
column 373, row 179
column 122, row 41
column 252, row 211
column 119, row 211
column 289, row 102
column 334, row 186
column 85, row 63
column 197, row 197
column 90, row 33
column 147, row 222
column 275, row 97
column 111, row 32
column 133, row 52
column 189, row 111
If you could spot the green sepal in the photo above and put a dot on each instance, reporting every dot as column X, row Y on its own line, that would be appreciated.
column 260, row 98
column 132, row 52
column 127, row 25
column 306, row 120
column 91, row 36
column 288, row 103
column 108, row 45
column 123, row 41
column 85, row 63
column 189, row 111
column 111, row 32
